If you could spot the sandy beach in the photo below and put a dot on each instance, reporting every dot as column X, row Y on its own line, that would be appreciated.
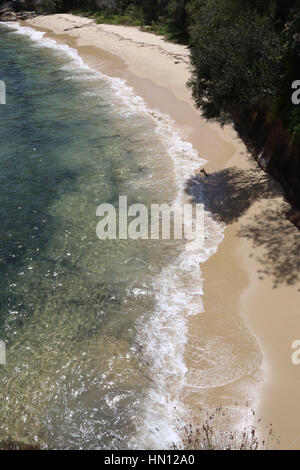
column 252, row 285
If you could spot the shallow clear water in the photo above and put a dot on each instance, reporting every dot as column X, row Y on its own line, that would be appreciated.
column 69, row 301
column 95, row 329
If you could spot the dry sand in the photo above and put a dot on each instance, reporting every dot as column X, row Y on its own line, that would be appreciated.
column 251, row 283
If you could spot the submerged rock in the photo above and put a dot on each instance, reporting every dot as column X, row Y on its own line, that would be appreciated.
column 14, row 445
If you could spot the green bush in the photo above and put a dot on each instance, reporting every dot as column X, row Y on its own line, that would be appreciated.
column 236, row 61
column 46, row 7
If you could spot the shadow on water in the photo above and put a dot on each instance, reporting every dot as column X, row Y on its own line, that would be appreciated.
column 228, row 194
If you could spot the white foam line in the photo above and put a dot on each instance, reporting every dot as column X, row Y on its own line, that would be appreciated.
column 164, row 335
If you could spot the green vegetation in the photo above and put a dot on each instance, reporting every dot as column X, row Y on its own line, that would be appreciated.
column 236, row 66
column 165, row 17
column 103, row 17
column 245, row 56
column 244, row 53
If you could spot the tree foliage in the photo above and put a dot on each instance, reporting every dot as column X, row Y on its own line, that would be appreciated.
column 236, row 59
column 245, row 56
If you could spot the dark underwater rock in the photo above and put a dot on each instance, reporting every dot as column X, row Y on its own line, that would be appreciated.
column 14, row 445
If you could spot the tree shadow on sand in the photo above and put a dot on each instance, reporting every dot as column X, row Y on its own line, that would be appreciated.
column 280, row 241
column 229, row 193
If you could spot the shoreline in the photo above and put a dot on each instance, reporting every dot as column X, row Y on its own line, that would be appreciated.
column 158, row 71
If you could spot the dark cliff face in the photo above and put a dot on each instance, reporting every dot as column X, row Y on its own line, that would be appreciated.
column 23, row 5
column 16, row 10
column 275, row 153
column 20, row 5
column 5, row 6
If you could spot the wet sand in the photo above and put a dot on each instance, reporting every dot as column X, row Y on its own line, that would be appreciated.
column 239, row 349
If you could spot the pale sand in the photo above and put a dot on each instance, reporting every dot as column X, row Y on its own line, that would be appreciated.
column 244, row 368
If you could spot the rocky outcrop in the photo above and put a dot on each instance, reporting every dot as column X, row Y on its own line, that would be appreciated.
column 7, row 12
column 294, row 216
column 6, row 7
column 8, row 16
column 13, row 445
column 16, row 10
column 25, row 15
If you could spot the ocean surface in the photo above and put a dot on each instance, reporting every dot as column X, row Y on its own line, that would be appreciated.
column 95, row 330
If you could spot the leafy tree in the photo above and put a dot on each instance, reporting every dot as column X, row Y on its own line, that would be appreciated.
column 236, row 60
